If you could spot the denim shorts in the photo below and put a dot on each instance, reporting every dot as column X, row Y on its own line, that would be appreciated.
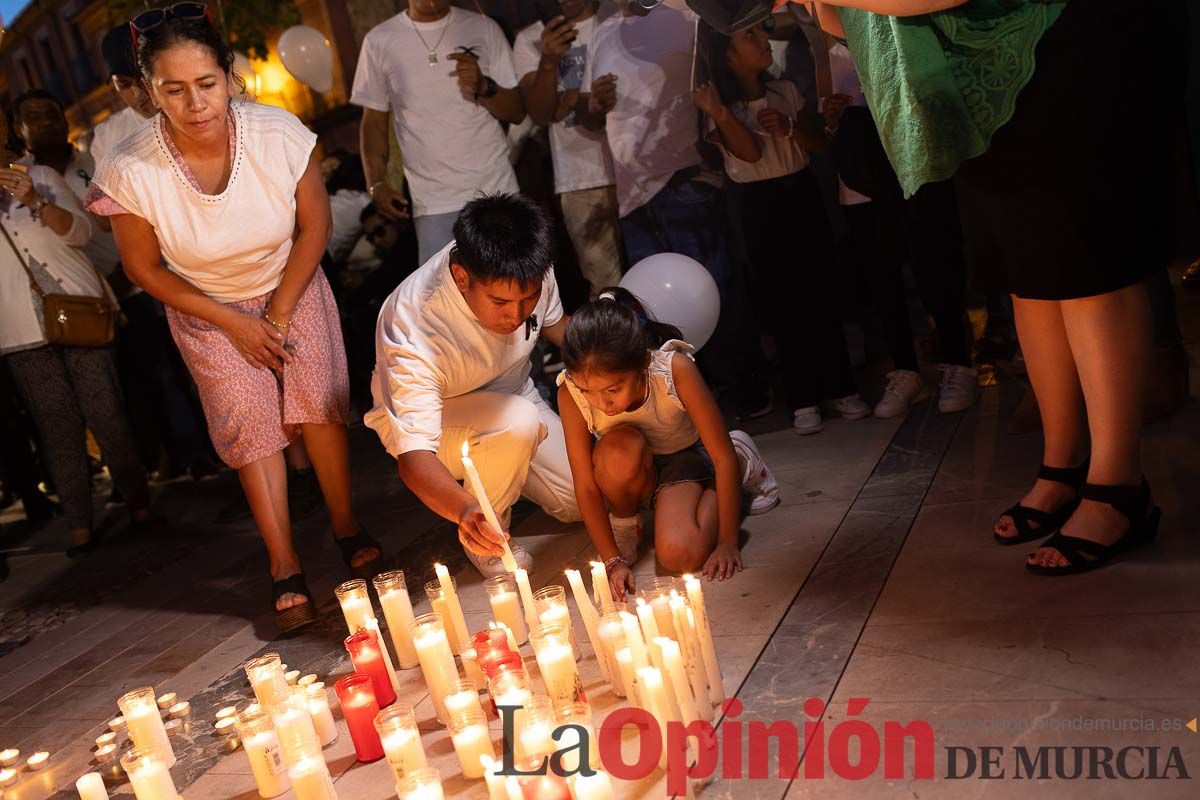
column 689, row 465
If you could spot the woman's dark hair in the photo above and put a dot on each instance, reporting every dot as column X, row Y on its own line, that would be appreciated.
column 504, row 237
column 613, row 334
column 179, row 30
column 715, row 47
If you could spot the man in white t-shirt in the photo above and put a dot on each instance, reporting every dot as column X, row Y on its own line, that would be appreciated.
column 446, row 75
column 550, row 59
column 452, row 369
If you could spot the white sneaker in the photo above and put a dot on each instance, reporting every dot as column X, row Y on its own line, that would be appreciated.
column 757, row 480
column 959, row 388
column 490, row 566
column 904, row 387
column 628, row 533
column 851, row 407
column 807, row 420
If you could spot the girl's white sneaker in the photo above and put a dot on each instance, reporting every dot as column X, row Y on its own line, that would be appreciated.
column 757, row 480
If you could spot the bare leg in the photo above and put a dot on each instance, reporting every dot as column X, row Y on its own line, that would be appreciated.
column 685, row 526
column 330, row 452
column 1110, row 339
column 265, row 484
column 1060, row 400
column 297, row 455
column 624, row 470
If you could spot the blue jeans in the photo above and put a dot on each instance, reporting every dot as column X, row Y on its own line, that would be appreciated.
column 684, row 217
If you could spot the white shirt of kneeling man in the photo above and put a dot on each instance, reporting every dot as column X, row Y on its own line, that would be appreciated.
column 447, row 374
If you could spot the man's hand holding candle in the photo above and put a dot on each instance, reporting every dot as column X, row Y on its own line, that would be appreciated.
column 477, row 535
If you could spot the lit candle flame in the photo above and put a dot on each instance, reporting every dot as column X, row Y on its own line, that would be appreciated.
column 465, row 449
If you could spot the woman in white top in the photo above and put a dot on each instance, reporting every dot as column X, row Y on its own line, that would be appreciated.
column 229, row 195
column 782, row 222
column 65, row 389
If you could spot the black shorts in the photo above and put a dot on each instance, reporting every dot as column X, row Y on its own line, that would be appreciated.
column 689, row 465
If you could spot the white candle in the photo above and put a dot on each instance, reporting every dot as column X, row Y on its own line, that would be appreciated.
column 9, row 757
column 654, row 698
column 531, row 615
column 537, row 739
column 322, row 715
column 116, row 725
column 491, row 774
column 716, row 687
column 623, row 673
column 508, row 634
column 436, row 659
column 356, row 604
column 507, row 559
column 8, row 776
column 593, row 787
column 398, row 611
column 105, row 738
column 463, row 701
column 145, row 723
column 634, row 641
column 612, row 636
column 228, row 711
column 470, row 742
column 693, row 660
column 650, row 631
column 677, row 676
column 600, row 586
column 105, row 753
column 261, row 744
column 453, row 606
column 266, row 678
column 506, row 605
column 556, row 663
column 310, row 779
column 560, row 615
column 661, row 604
column 166, row 700
column 91, row 787
column 590, row 620
column 294, row 724
column 180, row 710
column 423, row 784
column 36, row 761
column 404, row 751
column 471, row 668
column 148, row 774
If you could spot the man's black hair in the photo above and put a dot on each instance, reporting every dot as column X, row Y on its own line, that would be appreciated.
column 504, row 237
column 116, row 48
column 369, row 210
column 33, row 94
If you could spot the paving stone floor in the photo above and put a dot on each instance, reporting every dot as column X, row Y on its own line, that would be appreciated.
column 876, row 578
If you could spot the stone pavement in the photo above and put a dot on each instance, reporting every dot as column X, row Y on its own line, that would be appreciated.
column 876, row 578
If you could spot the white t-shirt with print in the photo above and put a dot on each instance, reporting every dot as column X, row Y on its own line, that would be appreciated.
column 453, row 149
column 580, row 156
column 845, row 81
column 780, row 156
column 653, row 131
column 429, row 346
column 234, row 245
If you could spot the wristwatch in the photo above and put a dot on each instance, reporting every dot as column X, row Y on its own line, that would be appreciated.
column 374, row 186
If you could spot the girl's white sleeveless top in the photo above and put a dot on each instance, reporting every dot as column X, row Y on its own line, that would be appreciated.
column 662, row 419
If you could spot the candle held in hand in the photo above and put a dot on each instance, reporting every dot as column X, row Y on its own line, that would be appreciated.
column 489, row 513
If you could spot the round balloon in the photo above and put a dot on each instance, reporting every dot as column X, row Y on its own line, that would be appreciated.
column 305, row 52
column 677, row 289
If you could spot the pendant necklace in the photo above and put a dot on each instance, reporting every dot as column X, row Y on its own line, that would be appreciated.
column 432, row 51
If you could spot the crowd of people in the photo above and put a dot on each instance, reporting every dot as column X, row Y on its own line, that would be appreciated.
column 809, row 163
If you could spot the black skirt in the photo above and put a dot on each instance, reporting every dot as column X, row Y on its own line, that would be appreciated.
column 1072, row 198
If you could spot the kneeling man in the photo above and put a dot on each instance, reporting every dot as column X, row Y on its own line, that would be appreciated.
column 452, row 364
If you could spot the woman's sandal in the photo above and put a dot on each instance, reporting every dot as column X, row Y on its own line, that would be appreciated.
column 1024, row 517
column 289, row 619
column 352, row 546
column 1084, row 554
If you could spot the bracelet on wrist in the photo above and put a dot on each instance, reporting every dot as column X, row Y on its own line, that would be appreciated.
column 612, row 562
column 282, row 327
column 373, row 187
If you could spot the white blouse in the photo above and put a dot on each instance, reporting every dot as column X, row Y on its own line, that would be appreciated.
column 57, row 262
column 233, row 245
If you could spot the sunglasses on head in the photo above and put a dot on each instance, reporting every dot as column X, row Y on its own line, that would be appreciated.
column 154, row 17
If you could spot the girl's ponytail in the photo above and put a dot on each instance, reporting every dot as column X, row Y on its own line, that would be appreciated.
column 613, row 333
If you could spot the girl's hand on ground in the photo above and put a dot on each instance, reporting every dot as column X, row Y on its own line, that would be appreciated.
column 477, row 535
column 620, row 580
column 725, row 560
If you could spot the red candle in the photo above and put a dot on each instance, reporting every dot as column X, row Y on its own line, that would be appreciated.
column 367, row 658
column 357, row 699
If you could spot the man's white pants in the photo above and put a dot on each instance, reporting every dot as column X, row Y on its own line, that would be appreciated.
column 517, row 445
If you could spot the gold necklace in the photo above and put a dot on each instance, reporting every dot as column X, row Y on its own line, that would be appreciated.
column 432, row 51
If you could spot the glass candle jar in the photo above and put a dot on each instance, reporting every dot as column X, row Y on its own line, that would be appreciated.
column 144, row 722
column 398, row 611
column 593, row 787
column 469, row 733
column 368, row 659
column 356, row 604
column 294, row 724
column 470, row 664
column 490, row 644
column 556, row 663
column 356, row 695
column 436, row 659
column 322, row 715
column 551, row 605
column 310, row 776
column 506, row 605
column 611, row 632
column 261, row 743
column 657, row 592
column 422, row 784
column 438, row 601
column 462, row 698
column 397, row 728
column 266, row 678
column 571, row 742
column 535, row 729
column 149, row 775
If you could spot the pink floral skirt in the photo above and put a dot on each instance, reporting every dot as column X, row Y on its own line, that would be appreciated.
column 252, row 412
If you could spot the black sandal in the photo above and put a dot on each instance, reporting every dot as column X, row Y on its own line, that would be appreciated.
column 1084, row 554
column 1047, row 521
column 352, row 546
column 289, row 619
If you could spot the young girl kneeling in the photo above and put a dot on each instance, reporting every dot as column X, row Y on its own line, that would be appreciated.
column 642, row 429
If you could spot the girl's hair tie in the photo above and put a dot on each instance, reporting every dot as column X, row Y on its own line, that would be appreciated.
column 607, row 296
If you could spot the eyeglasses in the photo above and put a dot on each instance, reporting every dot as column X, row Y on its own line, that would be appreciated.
column 152, row 18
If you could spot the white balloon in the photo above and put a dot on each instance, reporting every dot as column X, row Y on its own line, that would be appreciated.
column 243, row 67
column 677, row 289
column 305, row 52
